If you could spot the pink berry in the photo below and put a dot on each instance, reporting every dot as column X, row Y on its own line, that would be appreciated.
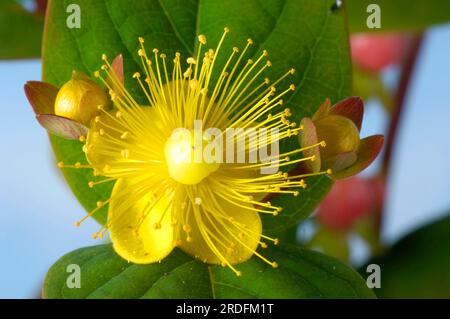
column 348, row 200
column 375, row 52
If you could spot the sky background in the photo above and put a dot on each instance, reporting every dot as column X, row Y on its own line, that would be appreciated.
column 37, row 209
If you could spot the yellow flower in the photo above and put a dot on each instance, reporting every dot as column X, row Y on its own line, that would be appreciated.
column 161, row 198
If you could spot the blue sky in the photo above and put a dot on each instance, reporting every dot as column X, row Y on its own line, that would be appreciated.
column 38, row 209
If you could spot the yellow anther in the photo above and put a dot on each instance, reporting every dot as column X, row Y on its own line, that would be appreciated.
column 202, row 39
column 60, row 164
column 77, row 224
column 136, row 75
column 274, row 264
column 91, row 184
column 100, row 204
column 226, row 29
column 186, row 228
column 141, row 40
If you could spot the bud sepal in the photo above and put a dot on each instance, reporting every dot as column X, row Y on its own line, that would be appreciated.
column 338, row 128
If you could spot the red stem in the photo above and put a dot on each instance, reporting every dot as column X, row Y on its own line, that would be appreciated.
column 400, row 96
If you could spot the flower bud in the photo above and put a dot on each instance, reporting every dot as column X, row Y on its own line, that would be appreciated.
column 79, row 99
column 341, row 136
column 337, row 130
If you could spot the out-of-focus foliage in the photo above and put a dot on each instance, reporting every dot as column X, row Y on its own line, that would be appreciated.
column 418, row 265
column 20, row 31
column 398, row 15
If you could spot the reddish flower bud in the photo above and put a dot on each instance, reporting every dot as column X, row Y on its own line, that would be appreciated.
column 337, row 128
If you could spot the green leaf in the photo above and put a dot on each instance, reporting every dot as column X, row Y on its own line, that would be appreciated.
column 301, row 274
column 417, row 265
column 20, row 31
column 302, row 34
column 398, row 15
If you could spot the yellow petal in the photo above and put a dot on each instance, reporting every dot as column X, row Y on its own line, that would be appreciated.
column 111, row 146
column 153, row 239
column 218, row 240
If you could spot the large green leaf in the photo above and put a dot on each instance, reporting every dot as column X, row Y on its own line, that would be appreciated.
column 418, row 265
column 398, row 15
column 20, row 31
column 301, row 274
column 303, row 34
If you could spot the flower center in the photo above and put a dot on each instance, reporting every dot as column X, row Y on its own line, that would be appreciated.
column 184, row 157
